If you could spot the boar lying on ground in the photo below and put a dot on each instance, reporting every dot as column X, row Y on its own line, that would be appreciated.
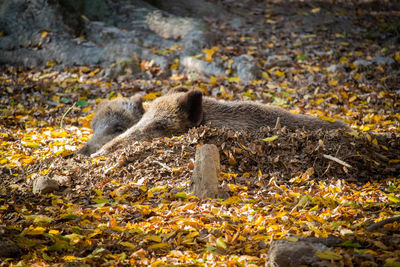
column 182, row 109
column 111, row 119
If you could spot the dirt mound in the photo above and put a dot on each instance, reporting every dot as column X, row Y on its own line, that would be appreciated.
column 255, row 157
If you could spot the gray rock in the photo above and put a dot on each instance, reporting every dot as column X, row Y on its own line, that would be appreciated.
column 278, row 61
column 204, row 181
column 362, row 63
column 170, row 26
column 62, row 180
column 122, row 67
column 245, row 68
column 383, row 60
column 334, row 68
column 205, row 69
column 44, row 185
column 285, row 253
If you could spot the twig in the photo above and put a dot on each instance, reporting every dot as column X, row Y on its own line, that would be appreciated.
column 63, row 116
column 163, row 165
column 375, row 226
column 337, row 160
column 278, row 124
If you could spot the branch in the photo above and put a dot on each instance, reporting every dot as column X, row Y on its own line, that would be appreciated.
column 337, row 160
column 375, row 226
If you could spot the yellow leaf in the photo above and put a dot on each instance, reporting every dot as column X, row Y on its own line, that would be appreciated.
column 393, row 198
column 233, row 79
column 353, row 98
column 231, row 200
column 30, row 144
column 209, row 53
column 333, row 82
column 128, row 245
column 397, row 56
column 154, row 238
column 158, row 246
column 279, row 73
column 42, row 219
column 344, row 60
column 315, row 10
column 319, row 101
column 365, row 128
column 265, row 76
column 328, row 255
column 188, row 206
column 213, row 80
column 292, row 239
column 70, row 258
column 51, row 63
column 44, row 34
column 315, row 208
column 221, row 243
column 232, row 160
column 357, row 76
column 74, row 238
column 326, row 118
column 270, row 139
column 152, row 96
column 54, row 232
column 33, row 230
column 87, row 109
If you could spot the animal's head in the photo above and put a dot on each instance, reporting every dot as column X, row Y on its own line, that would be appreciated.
column 171, row 114
column 112, row 118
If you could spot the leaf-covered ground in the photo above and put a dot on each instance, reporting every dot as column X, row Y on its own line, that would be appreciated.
column 132, row 207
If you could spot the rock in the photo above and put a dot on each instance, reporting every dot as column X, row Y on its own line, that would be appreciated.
column 62, row 180
column 123, row 67
column 383, row 60
column 204, row 181
column 192, row 64
column 44, row 185
column 285, row 253
column 170, row 26
column 362, row 62
column 334, row 68
column 278, row 61
column 245, row 68
column 8, row 250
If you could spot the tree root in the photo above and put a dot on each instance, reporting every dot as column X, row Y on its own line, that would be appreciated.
column 375, row 226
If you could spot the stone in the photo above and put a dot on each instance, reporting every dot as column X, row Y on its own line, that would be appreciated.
column 62, row 180
column 170, row 26
column 285, row 253
column 278, row 61
column 193, row 65
column 334, row 68
column 204, row 181
column 383, row 60
column 362, row 62
column 44, row 185
column 245, row 68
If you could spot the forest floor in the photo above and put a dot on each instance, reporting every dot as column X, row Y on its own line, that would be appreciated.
column 133, row 208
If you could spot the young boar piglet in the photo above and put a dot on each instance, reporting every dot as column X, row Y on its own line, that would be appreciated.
column 112, row 118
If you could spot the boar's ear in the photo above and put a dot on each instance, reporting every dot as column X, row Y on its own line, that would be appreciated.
column 178, row 89
column 136, row 104
column 192, row 103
